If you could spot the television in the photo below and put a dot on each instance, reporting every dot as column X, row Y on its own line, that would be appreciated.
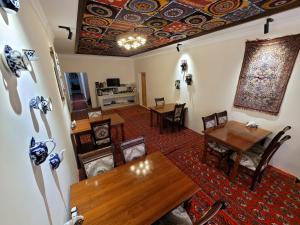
column 113, row 82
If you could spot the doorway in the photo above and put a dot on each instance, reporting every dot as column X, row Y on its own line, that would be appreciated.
column 144, row 89
column 78, row 89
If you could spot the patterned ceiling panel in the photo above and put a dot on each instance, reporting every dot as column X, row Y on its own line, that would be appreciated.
column 163, row 22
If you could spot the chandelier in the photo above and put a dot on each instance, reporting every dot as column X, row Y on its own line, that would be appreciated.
column 131, row 41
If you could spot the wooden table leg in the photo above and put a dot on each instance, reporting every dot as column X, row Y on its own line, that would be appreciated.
column 123, row 132
column 205, row 149
column 151, row 118
column 161, row 122
column 235, row 168
column 117, row 132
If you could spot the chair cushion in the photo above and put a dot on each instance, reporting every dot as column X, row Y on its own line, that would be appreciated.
column 217, row 147
column 103, row 141
column 98, row 165
column 177, row 216
column 94, row 114
column 258, row 149
column 249, row 159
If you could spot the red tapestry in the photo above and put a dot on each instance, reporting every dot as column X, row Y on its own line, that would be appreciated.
column 265, row 73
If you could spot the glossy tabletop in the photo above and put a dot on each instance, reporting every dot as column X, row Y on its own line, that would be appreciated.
column 166, row 108
column 138, row 193
column 85, row 124
column 237, row 136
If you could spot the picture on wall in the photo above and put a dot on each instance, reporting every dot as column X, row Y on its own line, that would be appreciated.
column 265, row 73
column 58, row 74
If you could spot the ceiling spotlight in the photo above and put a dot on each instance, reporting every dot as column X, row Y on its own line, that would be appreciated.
column 267, row 25
column 178, row 47
column 69, row 30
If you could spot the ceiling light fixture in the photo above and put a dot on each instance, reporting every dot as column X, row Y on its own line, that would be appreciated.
column 178, row 47
column 69, row 30
column 131, row 41
column 267, row 25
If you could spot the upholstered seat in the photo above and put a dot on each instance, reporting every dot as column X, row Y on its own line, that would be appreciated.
column 249, row 159
column 217, row 147
column 178, row 216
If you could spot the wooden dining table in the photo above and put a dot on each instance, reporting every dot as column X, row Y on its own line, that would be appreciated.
column 83, row 126
column 161, row 111
column 137, row 193
column 237, row 137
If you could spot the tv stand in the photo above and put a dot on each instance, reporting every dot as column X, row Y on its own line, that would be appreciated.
column 116, row 97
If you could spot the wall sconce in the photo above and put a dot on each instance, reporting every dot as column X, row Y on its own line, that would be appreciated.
column 177, row 84
column 267, row 25
column 41, row 103
column 70, row 34
column 15, row 61
column 178, row 47
column 189, row 79
column 10, row 6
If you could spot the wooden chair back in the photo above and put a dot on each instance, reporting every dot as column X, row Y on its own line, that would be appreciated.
column 268, row 154
column 222, row 117
column 101, row 131
column 214, row 209
column 210, row 122
column 159, row 101
column 279, row 135
column 133, row 149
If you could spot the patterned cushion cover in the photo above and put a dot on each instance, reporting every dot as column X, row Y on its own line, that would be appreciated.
column 210, row 124
column 249, row 159
column 133, row 149
column 222, row 119
column 178, row 113
column 103, row 141
column 177, row 216
column 94, row 114
column 99, row 165
column 101, row 132
column 217, row 147
column 258, row 149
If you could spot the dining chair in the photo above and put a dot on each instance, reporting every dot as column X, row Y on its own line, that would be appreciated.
column 176, row 117
column 222, row 117
column 180, row 216
column 101, row 131
column 159, row 101
column 221, row 152
column 133, row 149
column 98, row 161
column 257, row 161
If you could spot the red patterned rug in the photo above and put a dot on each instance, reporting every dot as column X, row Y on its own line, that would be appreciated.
column 275, row 201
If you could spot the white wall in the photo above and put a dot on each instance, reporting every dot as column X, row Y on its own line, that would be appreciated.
column 215, row 61
column 31, row 195
column 99, row 68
